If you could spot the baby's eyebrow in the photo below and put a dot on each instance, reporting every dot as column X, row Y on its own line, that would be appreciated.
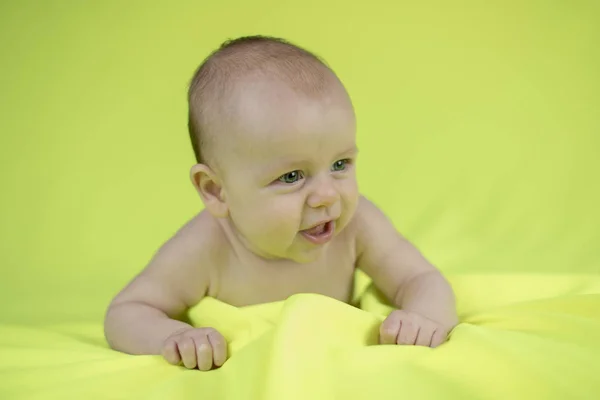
column 291, row 165
column 350, row 152
column 282, row 165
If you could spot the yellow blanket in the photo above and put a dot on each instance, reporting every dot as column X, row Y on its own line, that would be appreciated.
column 478, row 130
column 520, row 337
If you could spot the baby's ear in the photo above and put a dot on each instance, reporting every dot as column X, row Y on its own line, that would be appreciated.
column 210, row 190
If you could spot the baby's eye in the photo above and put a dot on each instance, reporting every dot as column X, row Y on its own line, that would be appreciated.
column 340, row 165
column 291, row 177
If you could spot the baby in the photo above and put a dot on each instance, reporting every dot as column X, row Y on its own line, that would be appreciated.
column 274, row 134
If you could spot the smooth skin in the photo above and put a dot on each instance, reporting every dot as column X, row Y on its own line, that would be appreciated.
column 287, row 163
column 202, row 348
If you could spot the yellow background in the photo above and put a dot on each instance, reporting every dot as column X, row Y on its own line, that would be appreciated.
column 479, row 132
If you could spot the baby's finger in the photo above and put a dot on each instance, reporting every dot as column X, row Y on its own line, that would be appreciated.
column 204, row 352
column 187, row 351
column 425, row 335
column 219, row 347
column 388, row 330
column 438, row 338
column 170, row 352
column 408, row 333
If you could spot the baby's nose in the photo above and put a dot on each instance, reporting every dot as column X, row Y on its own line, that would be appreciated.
column 325, row 195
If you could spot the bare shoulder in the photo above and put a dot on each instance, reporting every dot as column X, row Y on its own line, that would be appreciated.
column 201, row 236
column 182, row 269
column 365, row 211
column 383, row 252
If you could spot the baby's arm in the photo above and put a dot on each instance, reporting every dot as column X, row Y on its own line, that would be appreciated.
column 407, row 279
column 143, row 317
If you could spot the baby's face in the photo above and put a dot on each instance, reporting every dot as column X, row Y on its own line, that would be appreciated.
column 289, row 165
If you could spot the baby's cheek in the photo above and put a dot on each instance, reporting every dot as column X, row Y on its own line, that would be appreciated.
column 350, row 196
column 350, row 188
column 287, row 214
column 269, row 216
column 269, row 221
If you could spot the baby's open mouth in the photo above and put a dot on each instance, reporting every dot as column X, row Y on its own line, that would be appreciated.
column 321, row 233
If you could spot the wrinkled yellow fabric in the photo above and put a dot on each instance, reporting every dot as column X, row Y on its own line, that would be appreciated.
column 478, row 129
column 511, row 344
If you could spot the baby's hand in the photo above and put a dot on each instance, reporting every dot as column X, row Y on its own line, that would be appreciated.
column 403, row 327
column 196, row 347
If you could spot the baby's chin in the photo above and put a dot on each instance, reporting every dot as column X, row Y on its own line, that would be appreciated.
column 297, row 249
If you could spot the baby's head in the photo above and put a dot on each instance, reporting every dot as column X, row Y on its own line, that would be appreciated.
column 273, row 131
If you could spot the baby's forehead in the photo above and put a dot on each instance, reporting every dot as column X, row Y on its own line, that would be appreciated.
column 260, row 106
column 312, row 138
